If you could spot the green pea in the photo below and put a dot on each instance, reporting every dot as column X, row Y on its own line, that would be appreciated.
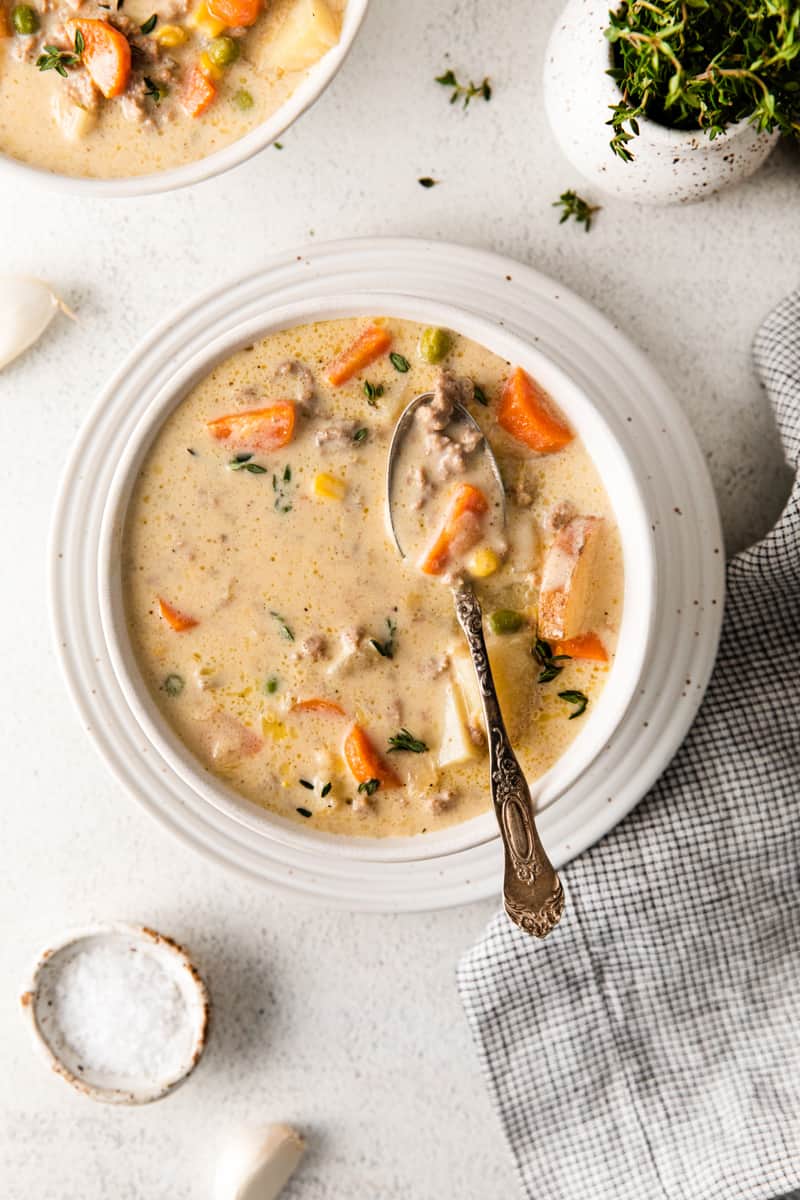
column 173, row 685
column 25, row 19
column 223, row 51
column 243, row 100
column 434, row 344
column 505, row 620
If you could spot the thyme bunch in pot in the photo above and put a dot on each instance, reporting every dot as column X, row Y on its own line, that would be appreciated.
column 705, row 64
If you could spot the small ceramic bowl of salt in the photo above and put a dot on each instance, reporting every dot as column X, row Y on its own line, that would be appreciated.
column 119, row 1011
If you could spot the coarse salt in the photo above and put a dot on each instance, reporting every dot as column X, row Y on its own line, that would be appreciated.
column 119, row 1012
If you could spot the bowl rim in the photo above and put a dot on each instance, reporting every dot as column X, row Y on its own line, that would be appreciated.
column 144, row 935
column 316, row 79
column 618, row 478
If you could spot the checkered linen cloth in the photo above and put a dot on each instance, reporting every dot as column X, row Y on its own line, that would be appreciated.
column 650, row 1047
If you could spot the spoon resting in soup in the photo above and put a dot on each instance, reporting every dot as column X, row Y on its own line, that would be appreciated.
column 285, row 642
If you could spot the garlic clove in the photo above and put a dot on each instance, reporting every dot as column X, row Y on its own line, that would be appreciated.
column 257, row 1163
column 27, row 306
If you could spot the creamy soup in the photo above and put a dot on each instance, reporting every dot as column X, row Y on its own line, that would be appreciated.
column 280, row 633
column 137, row 86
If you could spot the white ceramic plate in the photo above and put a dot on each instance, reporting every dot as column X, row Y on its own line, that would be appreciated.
column 309, row 90
column 632, row 402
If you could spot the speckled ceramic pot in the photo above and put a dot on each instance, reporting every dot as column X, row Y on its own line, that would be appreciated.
column 671, row 166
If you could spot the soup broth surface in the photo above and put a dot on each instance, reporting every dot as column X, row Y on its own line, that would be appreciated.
column 271, row 615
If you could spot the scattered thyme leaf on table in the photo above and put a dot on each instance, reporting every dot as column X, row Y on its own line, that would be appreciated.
column 575, row 206
column 427, row 182
column 465, row 91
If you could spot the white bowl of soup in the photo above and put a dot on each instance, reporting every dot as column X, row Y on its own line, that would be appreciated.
column 275, row 650
column 138, row 96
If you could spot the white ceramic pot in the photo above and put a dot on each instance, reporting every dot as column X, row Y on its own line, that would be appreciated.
column 657, row 482
column 317, row 78
column 671, row 165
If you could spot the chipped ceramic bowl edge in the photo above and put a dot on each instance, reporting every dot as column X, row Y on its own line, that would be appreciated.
column 142, row 934
column 671, row 166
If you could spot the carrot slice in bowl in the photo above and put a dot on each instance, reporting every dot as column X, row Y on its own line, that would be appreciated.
column 586, row 646
column 262, row 429
column 104, row 51
column 197, row 93
column 467, row 506
column 235, row 13
column 365, row 762
column 176, row 619
column 370, row 344
column 528, row 414
column 318, row 705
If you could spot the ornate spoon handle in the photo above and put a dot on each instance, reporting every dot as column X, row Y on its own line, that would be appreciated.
column 532, row 891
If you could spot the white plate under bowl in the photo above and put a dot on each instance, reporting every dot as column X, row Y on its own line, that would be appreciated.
column 586, row 357
column 310, row 88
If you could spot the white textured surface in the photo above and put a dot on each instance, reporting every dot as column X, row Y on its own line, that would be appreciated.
column 348, row 1026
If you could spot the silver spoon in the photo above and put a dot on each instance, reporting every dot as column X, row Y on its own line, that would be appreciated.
column 532, row 891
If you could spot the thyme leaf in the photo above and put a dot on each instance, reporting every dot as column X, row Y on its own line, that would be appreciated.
column 465, row 91
column 577, row 698
column 575, row 206
column 386, row 649
column 407, row 742
column 370, row 786
column 373, row 392
column 285, row 631
column 548, row 661
column 53, row 59
column 149, row 24
column 399, row 363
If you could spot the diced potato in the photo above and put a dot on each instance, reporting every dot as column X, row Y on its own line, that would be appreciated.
column 202, row 19
column 483, row 562
column 309, row 31
column 457, row 744
column 568, row 579
column 328, row 487
column 171, row 36
column 73, row 121
column 514, row 671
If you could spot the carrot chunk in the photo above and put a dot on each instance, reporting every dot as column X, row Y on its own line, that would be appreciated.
column 106, row 54
column 586, row 645
column 176, row 620
column 257, row 429
column 370, row 344
column 529, row 415
column 235, row 12
column 318, row 704
column 364, row 761
column 197, row 93
column 467, row 501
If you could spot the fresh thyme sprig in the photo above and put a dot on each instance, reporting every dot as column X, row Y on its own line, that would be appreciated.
column 57, row 60
column 386, row 649
column 706, row 64
column 406, row 741
column 548, row 661
column 465, row 91
column 575, row 206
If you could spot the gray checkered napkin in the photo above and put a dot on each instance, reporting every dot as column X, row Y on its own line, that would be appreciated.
column 650, row 1048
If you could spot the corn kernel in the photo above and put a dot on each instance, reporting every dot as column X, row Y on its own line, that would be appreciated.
column 201, row 18
column 328, row 487
column 271, row 727
column 171, row 35
column 209, row 69
column 483, row 562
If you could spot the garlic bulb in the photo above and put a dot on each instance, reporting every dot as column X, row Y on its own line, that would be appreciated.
column 257, row 1163
column 27, row 306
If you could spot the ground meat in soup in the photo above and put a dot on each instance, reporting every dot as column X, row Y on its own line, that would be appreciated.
column 188, row 81
column 304, row 662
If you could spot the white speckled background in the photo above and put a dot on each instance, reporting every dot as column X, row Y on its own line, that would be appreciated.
column 348, row 1025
